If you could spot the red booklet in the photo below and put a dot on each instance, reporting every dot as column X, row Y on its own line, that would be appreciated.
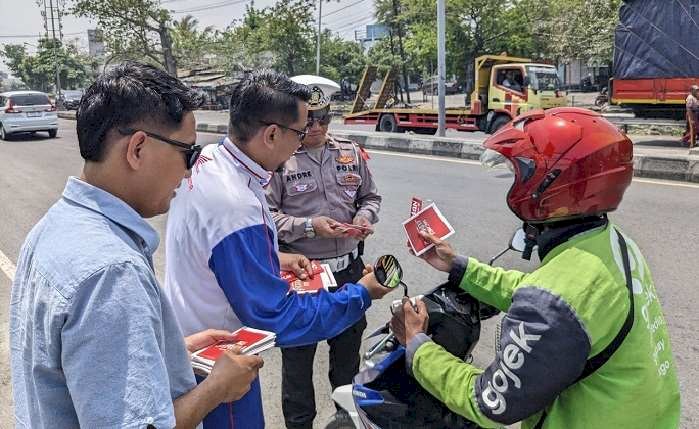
column 290, row 276
column 353, row 231
column 428, row 219
column 251, row 341
column 320, row 280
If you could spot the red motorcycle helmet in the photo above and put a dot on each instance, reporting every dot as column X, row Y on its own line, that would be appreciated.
column 567, row 162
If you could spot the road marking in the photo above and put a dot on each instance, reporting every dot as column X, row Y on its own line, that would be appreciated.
column 7, row 267
column 472, row 162
column 667, row 183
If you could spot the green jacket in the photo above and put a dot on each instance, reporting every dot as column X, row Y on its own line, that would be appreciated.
column 565, row 312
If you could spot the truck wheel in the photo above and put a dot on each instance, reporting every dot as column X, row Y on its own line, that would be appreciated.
column 388, row 124
column 498, row 123
column 53, row 133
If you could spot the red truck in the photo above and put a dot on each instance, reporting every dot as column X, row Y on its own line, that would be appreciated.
column 656, row 56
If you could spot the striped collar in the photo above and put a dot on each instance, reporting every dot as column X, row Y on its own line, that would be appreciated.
column 244, row 162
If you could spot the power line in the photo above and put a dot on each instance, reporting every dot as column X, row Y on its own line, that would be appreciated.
column 344, row 20
column 343, row 8
column 210, row 6
column 353, row 24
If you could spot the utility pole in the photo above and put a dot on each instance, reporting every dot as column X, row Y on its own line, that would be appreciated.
column 320, row 16
column 52, row 13
column 406, row 82
column 441, row 66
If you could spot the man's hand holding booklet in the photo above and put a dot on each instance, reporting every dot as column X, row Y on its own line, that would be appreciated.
column 248, row 340
column 430, row 220
column 320, row 278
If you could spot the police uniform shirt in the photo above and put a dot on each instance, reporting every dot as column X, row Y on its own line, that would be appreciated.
column 336, row 184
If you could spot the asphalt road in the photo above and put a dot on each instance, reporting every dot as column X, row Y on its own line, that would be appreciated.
column 660, row 216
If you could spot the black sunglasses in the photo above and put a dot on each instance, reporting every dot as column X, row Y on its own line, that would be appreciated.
column 191, row 151
column 299, row 133
column 323, row 119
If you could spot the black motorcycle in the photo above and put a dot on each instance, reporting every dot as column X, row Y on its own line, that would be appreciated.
column 383, row 395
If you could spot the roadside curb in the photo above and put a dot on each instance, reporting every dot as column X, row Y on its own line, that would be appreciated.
column 67, row 115
column 684, row 168
column 215, row 129
column 670, row 167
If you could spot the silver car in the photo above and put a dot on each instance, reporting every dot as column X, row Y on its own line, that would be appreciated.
column 27, row 112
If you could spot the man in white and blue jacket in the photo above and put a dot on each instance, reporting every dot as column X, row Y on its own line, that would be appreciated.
column 223, row 260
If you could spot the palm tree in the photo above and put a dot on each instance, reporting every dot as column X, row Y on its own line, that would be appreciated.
column 189, row 42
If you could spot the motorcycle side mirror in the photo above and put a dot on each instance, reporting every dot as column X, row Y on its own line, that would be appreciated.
column 389, row 273
column 517, row 243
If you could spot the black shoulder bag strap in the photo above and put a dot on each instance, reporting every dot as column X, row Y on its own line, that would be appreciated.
column 596, row 362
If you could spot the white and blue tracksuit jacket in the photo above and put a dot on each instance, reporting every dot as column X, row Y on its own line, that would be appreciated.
column 222, row 269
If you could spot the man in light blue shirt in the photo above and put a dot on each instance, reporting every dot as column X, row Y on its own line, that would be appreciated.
column 94, row 343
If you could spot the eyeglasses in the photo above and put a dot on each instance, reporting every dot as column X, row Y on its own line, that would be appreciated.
column 191, row 152
column 321, row 119
column 299, row 133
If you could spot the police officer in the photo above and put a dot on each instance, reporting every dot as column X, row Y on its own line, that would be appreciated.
column 325, row 183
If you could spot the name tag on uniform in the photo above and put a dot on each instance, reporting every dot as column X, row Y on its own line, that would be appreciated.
column 290, row 177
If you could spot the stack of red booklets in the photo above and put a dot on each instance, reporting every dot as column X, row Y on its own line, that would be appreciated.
column 250, row 341
column 353, row 231
column 320, row 278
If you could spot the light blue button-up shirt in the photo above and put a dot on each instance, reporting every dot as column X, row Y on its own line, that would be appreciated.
column 94, row 342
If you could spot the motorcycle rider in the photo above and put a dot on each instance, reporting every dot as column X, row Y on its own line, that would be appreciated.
column 584, row 343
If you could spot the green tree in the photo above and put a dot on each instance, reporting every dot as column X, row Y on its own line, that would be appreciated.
column 133, row 29
column 290, row 35
column 279, row 37
column 579, row 28
column 38, row 71
column 191, row 45
column 473, row 28
column 542, row 29
column 340, row 59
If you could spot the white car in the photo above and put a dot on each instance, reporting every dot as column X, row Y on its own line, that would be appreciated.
column 27, row 112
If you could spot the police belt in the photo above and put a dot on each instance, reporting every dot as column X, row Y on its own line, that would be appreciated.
column 341, row 262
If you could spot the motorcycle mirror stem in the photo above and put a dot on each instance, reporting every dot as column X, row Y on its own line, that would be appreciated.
column 518, row 243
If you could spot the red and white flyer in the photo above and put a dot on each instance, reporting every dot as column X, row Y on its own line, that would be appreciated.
column 290, row 276
column 428, row 219
column 251, row 341
column 353, row 231
column 324, row 279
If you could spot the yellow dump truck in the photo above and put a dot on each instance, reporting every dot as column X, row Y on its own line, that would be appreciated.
column 504, row 86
